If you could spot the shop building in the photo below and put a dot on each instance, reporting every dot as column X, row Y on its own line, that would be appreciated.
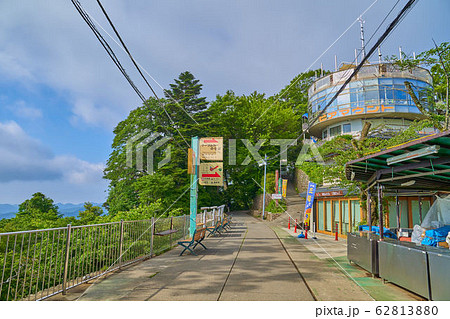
column 377, row 94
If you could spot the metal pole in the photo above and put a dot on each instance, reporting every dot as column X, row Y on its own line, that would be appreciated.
column 420, row 209
column 194, row 188
column 313, row 220
column 121, row 243
column 369, row 210
column 152, row 232
column 380, row 211
column 397, row 203
column 66, row 261
column 264, row 191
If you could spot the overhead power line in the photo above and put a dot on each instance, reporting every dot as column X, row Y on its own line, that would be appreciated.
column 116, row 61
column 125, row 47
column 139, row 69
column 106, row 46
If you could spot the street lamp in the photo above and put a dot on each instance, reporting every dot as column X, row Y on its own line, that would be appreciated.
column 264, row 190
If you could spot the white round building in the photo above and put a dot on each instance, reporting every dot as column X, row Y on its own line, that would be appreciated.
column 376, row 94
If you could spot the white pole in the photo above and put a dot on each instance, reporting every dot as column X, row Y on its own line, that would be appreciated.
column 264, row 191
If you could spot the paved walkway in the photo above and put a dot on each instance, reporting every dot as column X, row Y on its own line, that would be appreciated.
column 249, row 262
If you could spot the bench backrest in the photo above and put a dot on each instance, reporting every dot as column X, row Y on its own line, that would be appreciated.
column 200, row 233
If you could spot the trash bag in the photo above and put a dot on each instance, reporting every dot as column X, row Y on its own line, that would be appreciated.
column 434, row 236
column 301, row 235
column 416, row 236
column 448, row 239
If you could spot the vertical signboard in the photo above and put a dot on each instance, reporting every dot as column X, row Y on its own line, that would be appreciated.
column 284, row 188
column 309, row 201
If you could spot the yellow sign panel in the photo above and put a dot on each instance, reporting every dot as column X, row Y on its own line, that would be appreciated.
column 211, row 174
column 191, row 161
column 284, row 188
column 211, row 148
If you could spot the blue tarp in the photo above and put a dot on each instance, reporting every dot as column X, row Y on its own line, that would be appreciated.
column 376, row 230
column 433, row 236
column 301, row 235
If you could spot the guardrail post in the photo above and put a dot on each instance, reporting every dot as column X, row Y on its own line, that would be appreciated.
column 152, row 234
column 66, row 260
column 121, row 243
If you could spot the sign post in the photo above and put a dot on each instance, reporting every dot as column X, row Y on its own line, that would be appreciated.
column 194, row 188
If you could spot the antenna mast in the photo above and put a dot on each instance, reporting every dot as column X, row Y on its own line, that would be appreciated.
column 363, row 46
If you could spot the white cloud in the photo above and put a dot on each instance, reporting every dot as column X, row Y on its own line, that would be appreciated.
column 21, row 109
column 26, row 160
column 85, row 111
column 239, row 45
column 11, row 68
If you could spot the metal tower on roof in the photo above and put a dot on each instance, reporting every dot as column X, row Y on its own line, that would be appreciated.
column 363, row 46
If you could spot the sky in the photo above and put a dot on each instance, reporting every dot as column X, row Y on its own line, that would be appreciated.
column 61, row 96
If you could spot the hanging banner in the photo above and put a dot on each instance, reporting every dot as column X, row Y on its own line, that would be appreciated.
column 309, row 201
column 284, row 188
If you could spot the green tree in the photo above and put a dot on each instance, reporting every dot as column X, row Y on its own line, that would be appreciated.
column 39, row 206
column 296, row 92
column 90, row 213
column 437, row 60
column 180, row 116
column 252, row 118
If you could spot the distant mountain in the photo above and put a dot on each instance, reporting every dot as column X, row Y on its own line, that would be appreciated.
column 8, row 210
column 67, row 210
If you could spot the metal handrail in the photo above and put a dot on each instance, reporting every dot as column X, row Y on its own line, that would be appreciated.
column 37, row 264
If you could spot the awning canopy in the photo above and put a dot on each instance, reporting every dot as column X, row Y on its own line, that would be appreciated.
column 422, row 164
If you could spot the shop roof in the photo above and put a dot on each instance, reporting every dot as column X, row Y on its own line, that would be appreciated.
column 427, row 172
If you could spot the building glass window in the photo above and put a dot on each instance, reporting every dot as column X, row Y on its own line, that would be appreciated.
column 320, row 215
column 328, row 215
column 335, row 215
column 403, row 214
column 325, row 134
column 356, row 213
column 345, row 217
column 415, row 211
column 347, row 128
column 335, row 130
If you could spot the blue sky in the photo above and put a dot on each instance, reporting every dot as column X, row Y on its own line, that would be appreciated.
column 61, row 95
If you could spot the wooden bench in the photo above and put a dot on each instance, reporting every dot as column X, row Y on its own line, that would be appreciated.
column 197, row 238
column 214, row 229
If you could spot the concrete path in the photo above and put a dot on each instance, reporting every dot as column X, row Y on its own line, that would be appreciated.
column 249, row 262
